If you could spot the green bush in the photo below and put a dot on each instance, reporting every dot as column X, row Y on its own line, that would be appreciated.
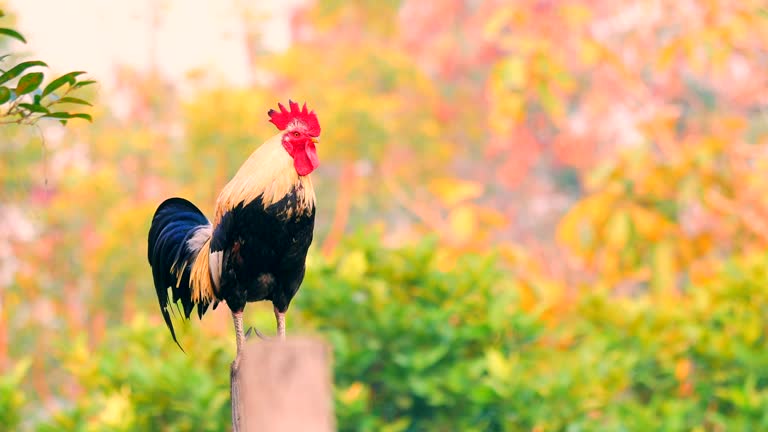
column 419, row 349
column 412, row 344
column 139, row 382
column 12, row 398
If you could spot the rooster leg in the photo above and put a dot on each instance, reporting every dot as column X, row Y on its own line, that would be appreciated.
column 234, row 380
column 280, row 317
column 237, row 317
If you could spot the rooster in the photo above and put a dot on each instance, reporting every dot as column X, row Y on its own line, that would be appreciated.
column 255, row 249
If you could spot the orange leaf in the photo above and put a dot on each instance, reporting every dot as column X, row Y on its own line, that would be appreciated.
column 683, row 369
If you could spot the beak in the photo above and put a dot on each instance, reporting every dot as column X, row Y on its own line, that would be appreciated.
column 315, row 140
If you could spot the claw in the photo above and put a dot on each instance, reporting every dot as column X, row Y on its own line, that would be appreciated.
column 255, row 332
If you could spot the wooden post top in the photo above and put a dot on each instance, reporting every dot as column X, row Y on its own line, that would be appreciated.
column 286, row 386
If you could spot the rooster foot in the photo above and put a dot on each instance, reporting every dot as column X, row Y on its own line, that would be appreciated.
column 235, row 367
column 255, row 332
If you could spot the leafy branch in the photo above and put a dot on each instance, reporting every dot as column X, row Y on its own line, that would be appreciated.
column 24, row 101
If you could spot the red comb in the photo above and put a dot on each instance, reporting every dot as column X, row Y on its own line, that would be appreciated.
column 284, row 118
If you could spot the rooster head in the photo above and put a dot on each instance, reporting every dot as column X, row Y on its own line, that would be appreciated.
column 301, row 134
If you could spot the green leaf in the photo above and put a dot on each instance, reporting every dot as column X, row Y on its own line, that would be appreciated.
column 74, row 100
column 18, row 69
column 66, row 115
column 83, row 83
column 5, row 95
column 34, row 108
column 29, row 83
column 60, row 81
column 12, row 33
column 59, row 115
column 83, row 116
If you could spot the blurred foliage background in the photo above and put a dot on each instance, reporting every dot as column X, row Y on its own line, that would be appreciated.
column 533, row 216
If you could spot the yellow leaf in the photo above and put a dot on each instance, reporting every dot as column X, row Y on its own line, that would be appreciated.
column 353, row 393
column 444, row 259
column 576, row 228
column 491, row 218
column 513, row 254
column 610, row 266
column 617, row 231
column 551, row 291
column 117, row 411
column 590, row 52
column 398, row 425
column 463, row 223
column 649, row 224
column 663, row 266
column 568, row 230
column 733, row 124
column 353, row 266
column 507, row 111
column 668, row 54
column 528, row 297
column 498, row 366
column 514, row 72
column 753, row 329
column 454, row 191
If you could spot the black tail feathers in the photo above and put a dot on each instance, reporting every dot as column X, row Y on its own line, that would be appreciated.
column 175, row 237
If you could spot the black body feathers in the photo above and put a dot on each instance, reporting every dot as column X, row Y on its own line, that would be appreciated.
column 264, row 251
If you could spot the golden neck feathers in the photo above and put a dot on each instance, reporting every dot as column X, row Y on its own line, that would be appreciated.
column 268, row 173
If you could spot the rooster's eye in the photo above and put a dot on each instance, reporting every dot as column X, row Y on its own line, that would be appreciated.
column 296, row 134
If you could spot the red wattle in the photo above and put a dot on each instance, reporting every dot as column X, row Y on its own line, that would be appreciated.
column 306, row 161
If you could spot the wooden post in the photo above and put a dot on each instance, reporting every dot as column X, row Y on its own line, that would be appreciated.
column 283, row 386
